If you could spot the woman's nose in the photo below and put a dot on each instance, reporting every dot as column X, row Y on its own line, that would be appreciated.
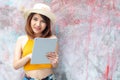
column 38, row 23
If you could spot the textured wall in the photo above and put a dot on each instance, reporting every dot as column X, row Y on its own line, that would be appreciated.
column 88, row 33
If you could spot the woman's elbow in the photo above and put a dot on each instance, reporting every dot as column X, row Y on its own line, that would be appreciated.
column 15, row 67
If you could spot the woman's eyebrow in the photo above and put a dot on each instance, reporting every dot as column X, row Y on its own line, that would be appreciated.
column 35, row 17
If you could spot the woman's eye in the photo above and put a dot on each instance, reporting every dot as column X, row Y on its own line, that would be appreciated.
column 43, row 21
column 35, row 19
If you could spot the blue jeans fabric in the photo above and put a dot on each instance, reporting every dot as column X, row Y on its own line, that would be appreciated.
column 26, row 78
column 50, row 77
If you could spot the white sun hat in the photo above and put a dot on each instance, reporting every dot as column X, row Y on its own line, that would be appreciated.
column 43, row 9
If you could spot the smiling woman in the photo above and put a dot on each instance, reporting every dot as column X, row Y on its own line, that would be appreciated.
column 38, row 24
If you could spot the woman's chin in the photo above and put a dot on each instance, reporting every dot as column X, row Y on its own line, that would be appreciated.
column 36, row 32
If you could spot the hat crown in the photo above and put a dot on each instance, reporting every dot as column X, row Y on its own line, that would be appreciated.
column 41, row 7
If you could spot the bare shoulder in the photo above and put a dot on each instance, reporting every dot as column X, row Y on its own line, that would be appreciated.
column 53, row 36
column 21, row 38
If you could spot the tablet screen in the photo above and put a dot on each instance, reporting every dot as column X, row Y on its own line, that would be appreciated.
column 40, row 49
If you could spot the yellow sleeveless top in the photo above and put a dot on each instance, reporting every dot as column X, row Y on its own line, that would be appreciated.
column 27, row 50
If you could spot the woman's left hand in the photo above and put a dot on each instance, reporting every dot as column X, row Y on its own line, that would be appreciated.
column 53, row 57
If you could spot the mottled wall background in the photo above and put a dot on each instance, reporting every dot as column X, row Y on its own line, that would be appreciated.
column 88, row 32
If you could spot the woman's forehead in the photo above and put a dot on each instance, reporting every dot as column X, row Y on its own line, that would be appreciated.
column 37, row 16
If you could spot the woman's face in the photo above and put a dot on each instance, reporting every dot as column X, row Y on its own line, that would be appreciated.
column 38, row 24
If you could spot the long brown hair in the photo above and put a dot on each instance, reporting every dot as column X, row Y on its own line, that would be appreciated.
column 47, row 31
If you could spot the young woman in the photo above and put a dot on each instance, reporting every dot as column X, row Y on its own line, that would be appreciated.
column 38, row 24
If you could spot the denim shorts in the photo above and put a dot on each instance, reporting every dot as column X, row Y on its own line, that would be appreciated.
column 50, row 77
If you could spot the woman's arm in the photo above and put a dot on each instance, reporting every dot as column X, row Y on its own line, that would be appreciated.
column 55, row 61
column 18, row 60
column 53, row 57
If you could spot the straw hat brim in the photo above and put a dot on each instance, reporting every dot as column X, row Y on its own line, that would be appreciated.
column 46, row 13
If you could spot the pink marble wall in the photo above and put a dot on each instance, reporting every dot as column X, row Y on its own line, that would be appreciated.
column 88, row 33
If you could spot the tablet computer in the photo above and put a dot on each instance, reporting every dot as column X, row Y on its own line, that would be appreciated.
column 40, row 49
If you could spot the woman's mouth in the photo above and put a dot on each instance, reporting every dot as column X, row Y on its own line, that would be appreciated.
column 37, row 28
